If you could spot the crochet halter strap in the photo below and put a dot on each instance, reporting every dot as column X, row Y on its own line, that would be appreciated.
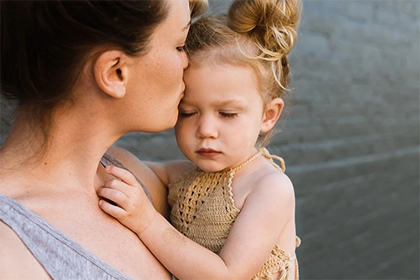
column 264, row 152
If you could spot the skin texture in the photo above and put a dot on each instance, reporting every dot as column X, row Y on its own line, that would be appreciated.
column 226, row 115
column 109, row 100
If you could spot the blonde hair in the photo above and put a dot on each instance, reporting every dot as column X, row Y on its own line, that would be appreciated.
column 255, row 33
column 198, row 7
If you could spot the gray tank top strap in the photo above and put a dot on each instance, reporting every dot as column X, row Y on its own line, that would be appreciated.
column 108, row 159
column 61, row 257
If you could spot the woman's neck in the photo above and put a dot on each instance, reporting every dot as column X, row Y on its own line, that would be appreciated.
column 76, row 143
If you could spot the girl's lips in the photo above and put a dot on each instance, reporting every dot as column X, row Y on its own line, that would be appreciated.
column 208, row 153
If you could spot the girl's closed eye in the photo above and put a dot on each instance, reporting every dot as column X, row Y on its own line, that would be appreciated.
column 186, row 114
column 228, row 115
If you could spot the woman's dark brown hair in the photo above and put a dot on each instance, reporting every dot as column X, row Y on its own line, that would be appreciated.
column 44, row 45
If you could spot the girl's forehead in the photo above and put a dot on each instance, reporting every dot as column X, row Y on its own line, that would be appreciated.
column 221, row 71
column 220, row 83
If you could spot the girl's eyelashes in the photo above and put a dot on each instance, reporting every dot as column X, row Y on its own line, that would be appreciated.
column 228, row 115
column 186, row 114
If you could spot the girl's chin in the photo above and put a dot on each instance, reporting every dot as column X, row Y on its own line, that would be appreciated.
column 210, row 169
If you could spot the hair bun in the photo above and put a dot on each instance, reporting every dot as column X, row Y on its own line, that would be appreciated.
column 271, row 23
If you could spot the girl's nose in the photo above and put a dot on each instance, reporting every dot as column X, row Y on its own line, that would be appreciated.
column 207, row 128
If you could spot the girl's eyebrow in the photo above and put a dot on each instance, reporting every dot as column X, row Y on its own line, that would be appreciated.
column 232, row 102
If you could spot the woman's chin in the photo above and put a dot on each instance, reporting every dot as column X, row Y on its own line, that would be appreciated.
column 160, row 127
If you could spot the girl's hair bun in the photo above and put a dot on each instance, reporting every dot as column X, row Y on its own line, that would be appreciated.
column 272, row 24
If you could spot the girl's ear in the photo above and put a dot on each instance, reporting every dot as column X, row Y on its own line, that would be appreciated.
column 110, row 72
column 272, row 113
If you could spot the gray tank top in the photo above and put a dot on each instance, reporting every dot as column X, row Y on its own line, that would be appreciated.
column 61, row 257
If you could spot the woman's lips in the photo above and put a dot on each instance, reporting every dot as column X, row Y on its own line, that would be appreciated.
column 208, row 153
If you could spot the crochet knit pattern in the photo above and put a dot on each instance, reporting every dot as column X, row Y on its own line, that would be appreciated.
column 203, row 209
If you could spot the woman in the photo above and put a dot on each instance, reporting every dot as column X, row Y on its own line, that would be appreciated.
column 85, row 73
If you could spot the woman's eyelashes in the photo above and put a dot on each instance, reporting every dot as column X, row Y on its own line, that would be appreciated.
column 181, row 48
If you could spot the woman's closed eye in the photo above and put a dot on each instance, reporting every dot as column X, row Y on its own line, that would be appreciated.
column 181, row 48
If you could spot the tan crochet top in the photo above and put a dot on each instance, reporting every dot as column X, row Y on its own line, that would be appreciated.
column 203, row 209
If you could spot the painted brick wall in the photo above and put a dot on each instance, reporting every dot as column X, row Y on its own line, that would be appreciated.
column 351, row 140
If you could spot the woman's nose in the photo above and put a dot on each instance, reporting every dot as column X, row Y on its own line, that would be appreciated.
column 184, row 60
column 206, row 128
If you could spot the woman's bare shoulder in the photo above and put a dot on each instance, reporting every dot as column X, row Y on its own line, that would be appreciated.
column 15, row 255
column 126, row 157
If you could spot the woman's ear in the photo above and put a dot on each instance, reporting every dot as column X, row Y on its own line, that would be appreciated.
column 272, row 113
column 110, row 71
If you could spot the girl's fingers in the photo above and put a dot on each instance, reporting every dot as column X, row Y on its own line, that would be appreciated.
column 120, row 198
column 118, row 185
column 123, row 174
column 110, row 209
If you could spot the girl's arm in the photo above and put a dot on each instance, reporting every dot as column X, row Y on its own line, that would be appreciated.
column 170, row 170
column 266, row 211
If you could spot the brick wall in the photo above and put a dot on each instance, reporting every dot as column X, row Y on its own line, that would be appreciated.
column 351, row 140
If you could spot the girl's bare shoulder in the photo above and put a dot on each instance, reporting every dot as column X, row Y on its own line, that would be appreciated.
column 273, row 186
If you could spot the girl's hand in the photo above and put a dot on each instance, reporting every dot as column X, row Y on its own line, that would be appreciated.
column 130, row 206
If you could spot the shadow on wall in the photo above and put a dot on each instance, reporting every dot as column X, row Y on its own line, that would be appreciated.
column 351, row 141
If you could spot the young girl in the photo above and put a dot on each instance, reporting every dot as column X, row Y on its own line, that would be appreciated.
column 233, row 205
